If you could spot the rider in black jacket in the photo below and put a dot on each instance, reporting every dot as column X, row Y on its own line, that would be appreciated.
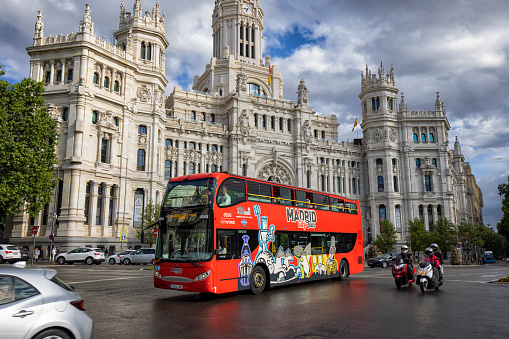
column 438, row 254
column 406, row 256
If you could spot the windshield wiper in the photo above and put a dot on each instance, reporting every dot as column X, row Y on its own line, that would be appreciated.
column 188, row 260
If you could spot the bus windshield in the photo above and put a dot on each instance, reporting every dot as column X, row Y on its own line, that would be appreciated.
column 186, row 231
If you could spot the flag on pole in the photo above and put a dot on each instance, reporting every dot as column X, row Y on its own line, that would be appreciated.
column 270, row 74
column 355, row 124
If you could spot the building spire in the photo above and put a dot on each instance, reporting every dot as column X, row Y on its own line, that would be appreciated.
column 86, row 25
column 39, row 26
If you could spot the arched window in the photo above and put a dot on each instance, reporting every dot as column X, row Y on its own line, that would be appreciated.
column 289, row 126
column 142, row 129
column 95, row 116
column 431, row 137
column 213, row 168
column 377, row 103
column 264, row 121
column 415, row 137
column 323, row 134
column 193, row 115
column 373, row 104
column 417, row 162
column 116, row 86
column 256, row 120
column 59, row 75
column 316, row 134
column 280, row 124
column 203, row 116
column 140, row 161
column 191, row 168
column 213, row 148
column 96, row 78
column 70, row 75
column 115, row 121
column 254, row 89
column 381, row 213
column 427, row 183
column 143, row 50
column 192, row 145
column 272, row 122
column 380, row 183
column 423, row 137
column 149, row 51
column 106, row 82
column 379, row 162
column 65, row 114
column 48, row 77
column 212, row 117
column 169, row 142
column 434, row 162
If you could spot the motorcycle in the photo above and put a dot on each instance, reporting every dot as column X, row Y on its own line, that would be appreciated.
column 427, row 276
column 401, row 274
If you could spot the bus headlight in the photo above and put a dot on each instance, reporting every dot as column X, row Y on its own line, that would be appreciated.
column 202, row 276
column 157, row 274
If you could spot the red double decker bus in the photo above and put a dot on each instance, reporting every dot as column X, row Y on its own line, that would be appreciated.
column 221, row 233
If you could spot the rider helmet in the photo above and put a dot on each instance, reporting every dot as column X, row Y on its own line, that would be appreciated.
column 404, row 248
column 428, row 250
column 434, row 246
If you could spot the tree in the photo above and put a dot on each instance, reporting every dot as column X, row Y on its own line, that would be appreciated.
column 387, row 237
column 444, row 234
column 494, row 241
column 418, row 236
column 471, row 237
column 28, row 139
column 149, row 217
column 503, row 225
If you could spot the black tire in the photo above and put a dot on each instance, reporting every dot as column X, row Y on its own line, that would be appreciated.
column 126, row 261
column 71, row 262
column 424, row 286
column 1, row 259
column 89, row 261
column 152, row 262
column 54, row 333
column 61, row 260
column 257, row 280
column 343, row 270
column 372, row 266
column 398, row 283
column 98, row 263
column 384, row 264
column 112, row 261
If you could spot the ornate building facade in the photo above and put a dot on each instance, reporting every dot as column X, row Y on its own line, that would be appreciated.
column 121, row 139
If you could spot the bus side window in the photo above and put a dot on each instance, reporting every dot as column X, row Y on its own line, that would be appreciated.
column 235, row 192
column 226, row 244
column 300, row 196
column 321, row 201
column 259, row 192
column 282, row 195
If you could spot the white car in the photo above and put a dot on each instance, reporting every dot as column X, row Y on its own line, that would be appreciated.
column 141, row 256
column 115, row 258
column 9, row 253
column 34, row 303
column 85, row 255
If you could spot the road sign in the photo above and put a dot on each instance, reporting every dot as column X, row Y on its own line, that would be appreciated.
column 51, row 237
column 35, row 229
column 155, row 232
column 123, row 235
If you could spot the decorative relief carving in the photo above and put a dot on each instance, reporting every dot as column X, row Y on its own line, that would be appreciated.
column 274, row 172
column 244, row 123
column 143, row 93
column 323, row 169
column 393, row 134
column 142, row 140
column 171, row 153
column 214, row 158
column 192, row 155
column 377, row 135
column 306, row 132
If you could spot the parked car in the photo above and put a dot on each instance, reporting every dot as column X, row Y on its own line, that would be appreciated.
column 505, row 259
column 34, row 303
column 9, row 253
column 141, row 256
column 383, row 260
column 115, row 258
column 85, row 255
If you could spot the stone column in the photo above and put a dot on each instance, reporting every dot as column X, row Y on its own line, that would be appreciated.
column 62, row 79
column 52, row 73
column 93, row 208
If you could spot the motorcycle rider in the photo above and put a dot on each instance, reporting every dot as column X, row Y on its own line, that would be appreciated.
column 435, row 262
column 439, row 256
column 406, row 257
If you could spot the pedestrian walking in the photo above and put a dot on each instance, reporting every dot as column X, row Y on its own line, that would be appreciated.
column 53, row 253
column 36, row 254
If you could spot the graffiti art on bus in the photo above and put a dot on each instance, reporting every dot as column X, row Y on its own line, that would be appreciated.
column 285, row 266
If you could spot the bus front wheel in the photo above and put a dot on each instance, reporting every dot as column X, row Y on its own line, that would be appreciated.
column 257, row 280
column 343, row 270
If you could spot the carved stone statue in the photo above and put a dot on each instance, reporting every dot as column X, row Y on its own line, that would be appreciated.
column 306, row 131
column 302, row 92
column 39, row 26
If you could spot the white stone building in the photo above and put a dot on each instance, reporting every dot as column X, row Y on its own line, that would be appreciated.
column 121, row 139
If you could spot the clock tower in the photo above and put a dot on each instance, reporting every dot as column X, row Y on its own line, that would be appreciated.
column 237, row 27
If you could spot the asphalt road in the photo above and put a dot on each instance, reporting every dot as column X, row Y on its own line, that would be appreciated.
column 124, row 304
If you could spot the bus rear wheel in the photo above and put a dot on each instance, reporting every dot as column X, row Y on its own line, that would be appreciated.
column 257, row 280
column 343, row 270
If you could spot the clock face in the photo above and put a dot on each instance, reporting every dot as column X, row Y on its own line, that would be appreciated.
column 247, row 9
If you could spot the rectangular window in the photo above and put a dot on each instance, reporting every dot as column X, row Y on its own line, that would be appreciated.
column 140, row 161
column 167, row 170
column 110, row 213
column 321, row 202
column 95, row 116
column 282, row 195
column 380, row 184
column 337, row 205
column 427, row 183
column 396, row 188
column 104, row 150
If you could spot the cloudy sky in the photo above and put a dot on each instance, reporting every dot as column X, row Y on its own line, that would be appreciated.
column 455, row 47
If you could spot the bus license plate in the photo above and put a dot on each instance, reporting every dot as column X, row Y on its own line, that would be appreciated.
column 177, row 287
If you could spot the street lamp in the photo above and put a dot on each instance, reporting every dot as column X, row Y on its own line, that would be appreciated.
column 54, row 216
column 125, row 189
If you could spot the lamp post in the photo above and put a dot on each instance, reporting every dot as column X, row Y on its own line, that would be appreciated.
column 54, row 216
column 125, row 189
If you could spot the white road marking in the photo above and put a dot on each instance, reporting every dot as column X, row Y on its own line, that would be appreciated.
column 100, row 280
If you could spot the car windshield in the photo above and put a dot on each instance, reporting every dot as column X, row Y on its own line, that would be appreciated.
column 190, row 193
column 12, row 248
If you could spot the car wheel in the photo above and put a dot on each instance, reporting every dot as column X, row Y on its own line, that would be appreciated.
column 61, row 260
column 152, row 262
column 384, row 264
column 89, row 261
column 54, row 333
column 343, row 270
column 127, row 261
column 257, row 280
column 112, row 261
column 1, row 259
column 372, row 266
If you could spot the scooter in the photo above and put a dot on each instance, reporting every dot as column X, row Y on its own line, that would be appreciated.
column 427, row 276
column 401, row 275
